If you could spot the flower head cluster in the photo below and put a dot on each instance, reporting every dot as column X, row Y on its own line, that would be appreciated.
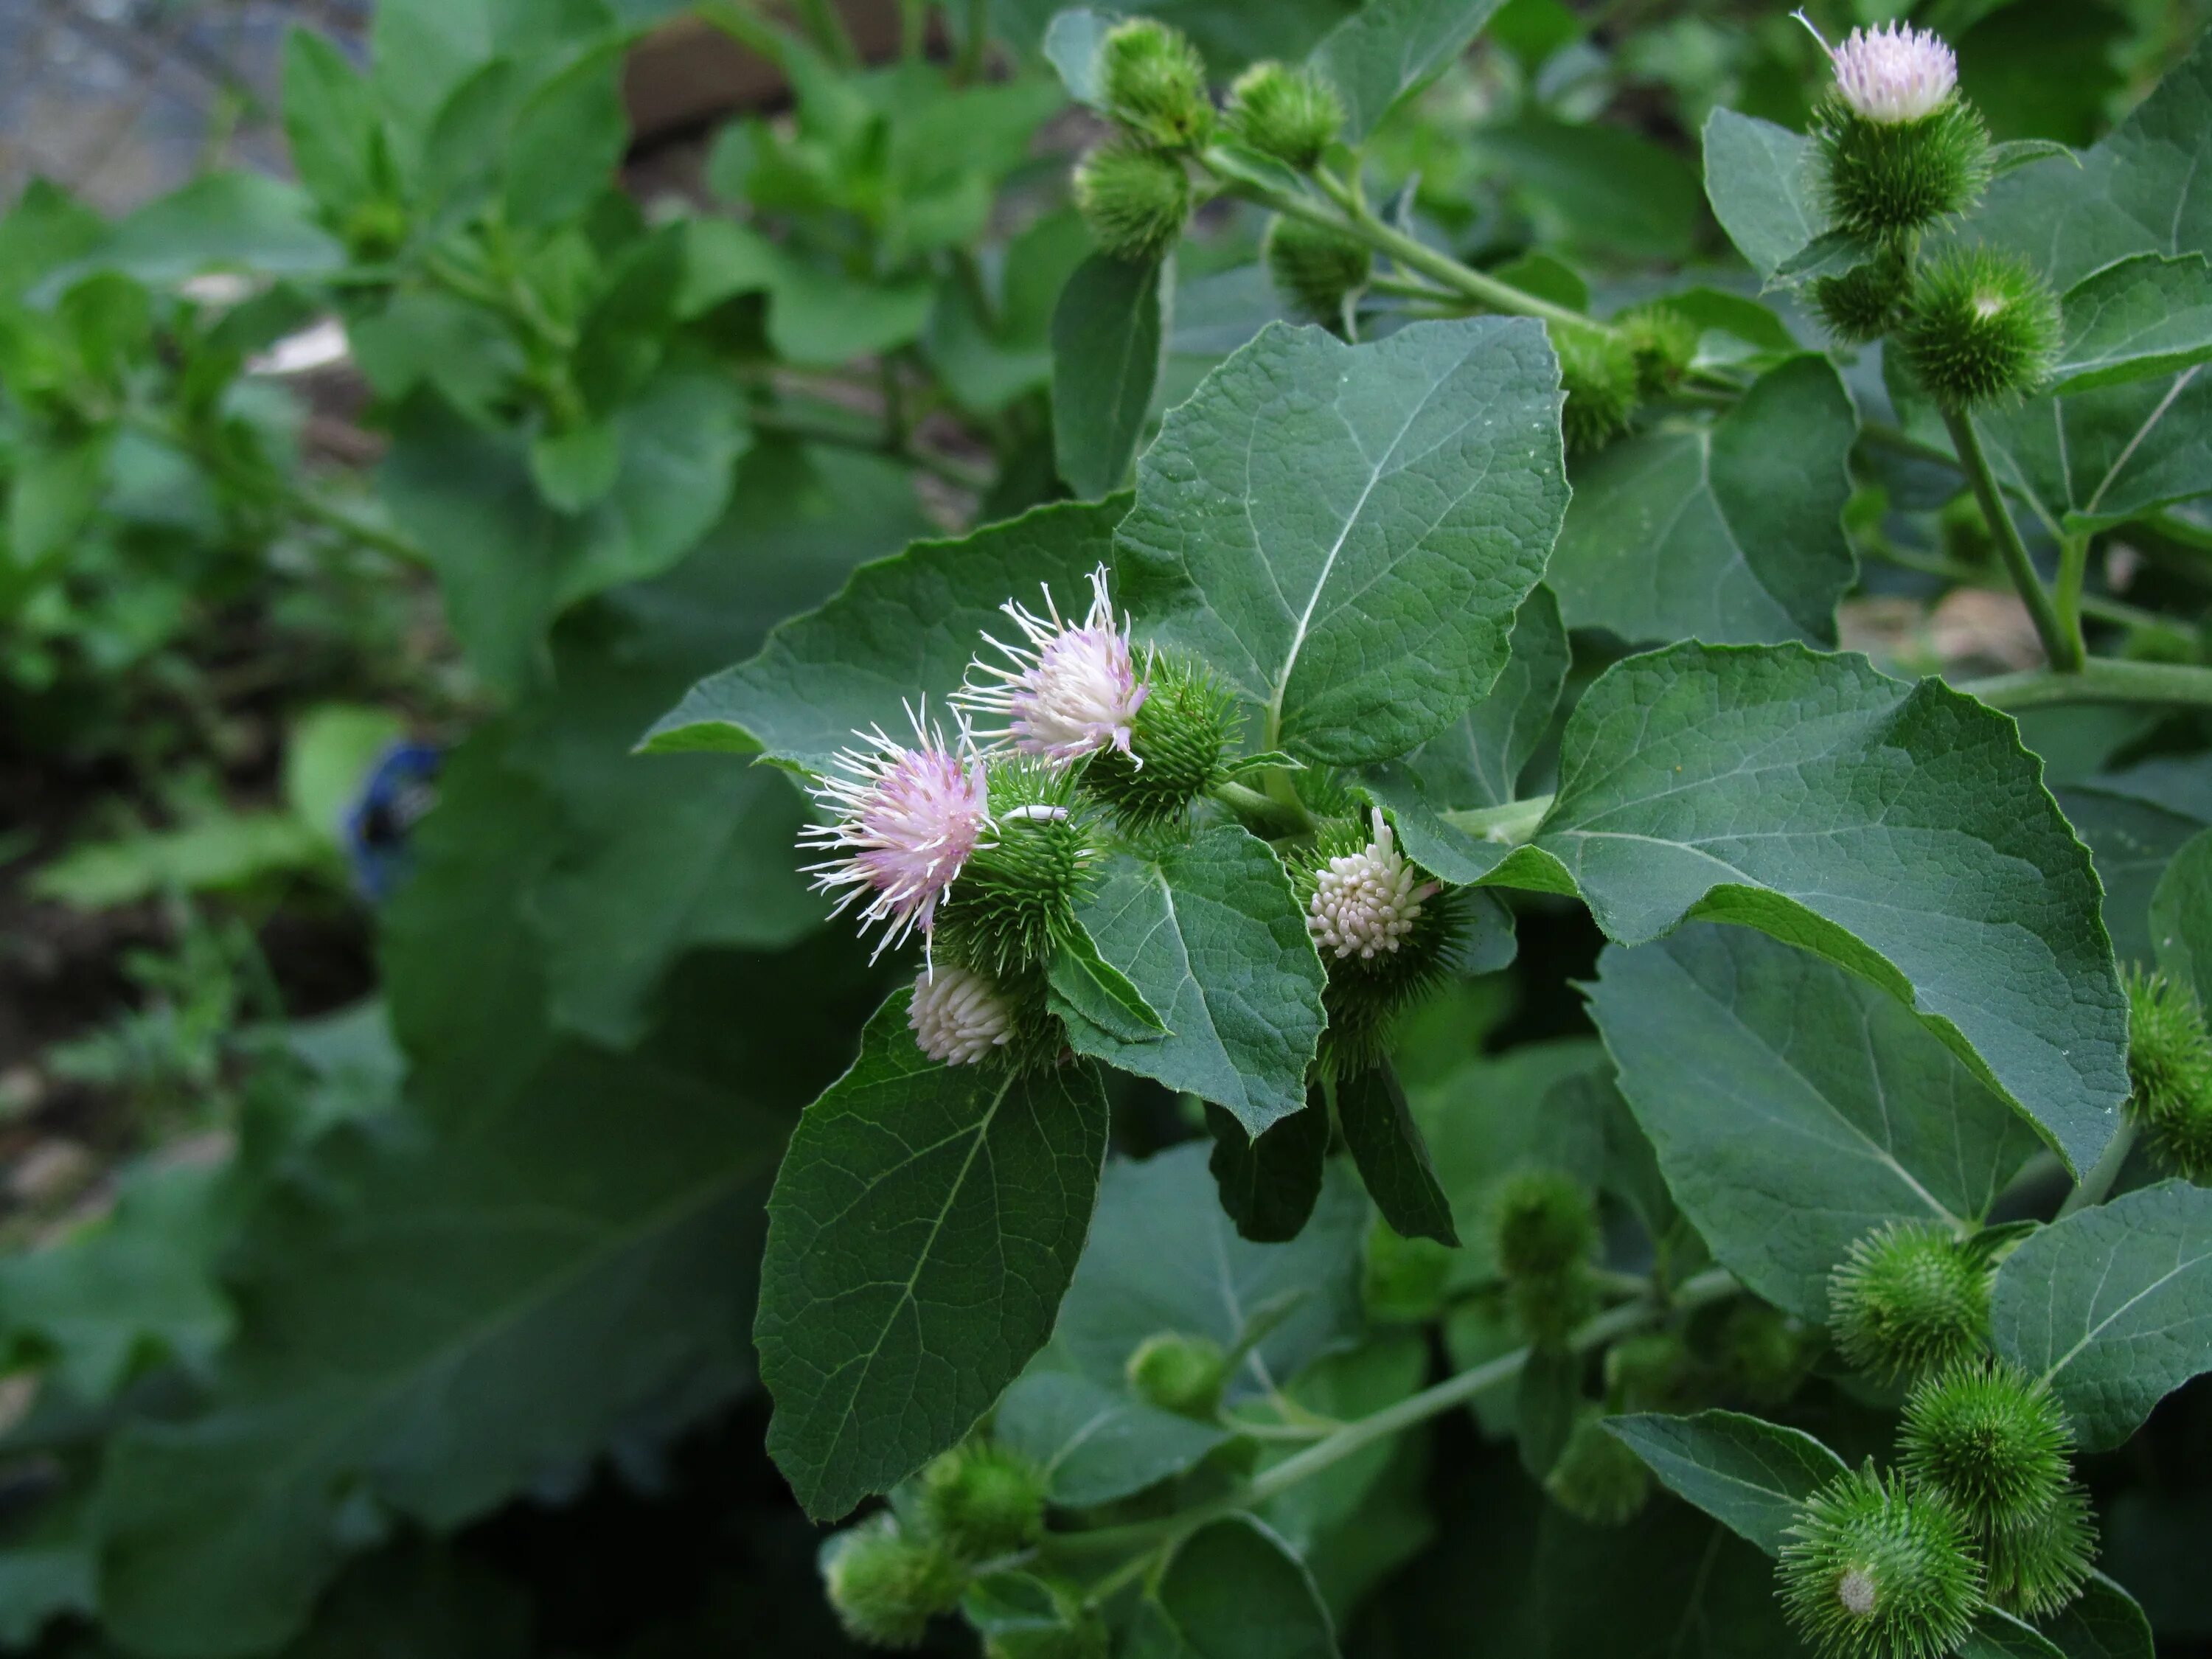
column 1894, row 74
column 1365, row 902
column 904, row 820
column 1073, row 687
column 958, row 1017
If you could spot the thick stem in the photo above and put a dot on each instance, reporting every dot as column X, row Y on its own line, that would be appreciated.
column 2073, row 571
column 2093, row 1187
column 1508, row 825
column 2064, row 652
column 2100, row 679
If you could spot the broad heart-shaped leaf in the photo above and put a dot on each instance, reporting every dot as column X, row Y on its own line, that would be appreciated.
column 1393, row 1158
column 1794, row 1107
column 1162, row 1257
column 1232, row 1590
column 1729, row 531
column 902, row 630
column 1478, row 759
column 2139, row 190
column 1388, row 48
column 1897, row 830
column 2181, row 917
column 1212, row 936
column 1109, row 334
column 923, row 1226
column 1750, row 1475
column 2146, row 316
column 507, row 562
column 441, row 1311
column 2113, row 1304
column 1345, row 532
column 1757, row 179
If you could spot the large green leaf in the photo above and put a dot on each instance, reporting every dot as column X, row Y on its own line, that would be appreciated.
column 1268, row 1181
column 439, row 1314
column 1726, row 531
column 2114, row 1305
column 1212, row 934
column 923, row 1227
column 1752, row 1476
column 1756, row 178
column 1794, row 1107
column 1345, row 532
column 1232, row 1590
column 2100, row 457
column 2103, row 1623
column 1897, row 830
column 219, row 222
column 902, row 630
column 2146, row 316
column 1388, row 48
column 2131, row 840
column 1478, row 759
column 1109, row 334
column 2181, row 917
column 507, row 562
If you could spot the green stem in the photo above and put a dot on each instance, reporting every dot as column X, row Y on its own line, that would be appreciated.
column 976, row 44
column 2100, row 679
column 822, row 21
column 2093, row 1187
column 1508, row 825
column 2073, row 570
column 2064, row 652
column 1260, row 812
column 1409, row 1413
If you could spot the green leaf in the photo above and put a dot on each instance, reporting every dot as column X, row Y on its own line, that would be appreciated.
column 225, row 849
column 1999, row 1635
column 1389, row 49
column 439, row 1315
column 1070, row 46
column 1232, row 1590
column 2131, row 840
column 1757, row 177
column 1728, row 531
column 1793, row 1107
column 1898, row 830
column 507, row 562
column 904, row 629
column 923, row 1227
column 220, row 221
column 1109, row 336
column 1212, row 938
column 328, row 752
column 2114, row 1305
column 331, row 123
column 1752, row 1476
column 1096, row 1441
column 56, row 488
column 2103, row 1622
column 1356, row 575
column 1393, row 1157
column 1832, row 253
column 1269, row 1183
column 2099, row 458
column 2181, row 917
column 1477, row 761
column 1085, row 986
column 566, row 140
column 990, row 349
column 2142, row 317
column 1597, row 186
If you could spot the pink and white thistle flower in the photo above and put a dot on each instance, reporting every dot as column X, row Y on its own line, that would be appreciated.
column 903, row 820
column 1365, row 902
column 958, row 1017
column 1072, row 688
column 1894, row 74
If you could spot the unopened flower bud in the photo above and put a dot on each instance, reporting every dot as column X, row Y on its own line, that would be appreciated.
column 958, row 1017
column 2170, row 1072
column 1991, row 1439
column 1662, row 340
column 1863, row 303
column 982, row 1500
column 1387, row 932
column 1180, row 1373
column 1596, row 1478
column 1291, row 114
column 1980, row 326
column 2037, row 1569
column 1898, row 148
column 1907, row 1298
column 1877, row 1571
column 1314, row 267
column 884, row 1586
column 1542, row 1222
column 1178, row 736
column 1598, row 370
column 1019, row 887
column 1134, row 200
column 1154, row 82
column 1405, row 1278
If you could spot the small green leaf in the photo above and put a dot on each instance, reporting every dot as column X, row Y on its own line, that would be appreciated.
column 1388, row 49
column 331, row 121
column 1266, row 760
column 1072, row 40
column 1392, row 1156
column 1212, row 936
column 1270, row 1182
column 1757, row 179
column 1095, row 1440
column 2019, row 152
column 1752, row 1476
column 568, row 137
column 924, row 1223
column 1232, row 1590
column 2114, row 1305
column 1832, row 253
column 2181, row 917
column 1085, row 986
column 1355, row 577
column 1109, row 337
column 1478, row 759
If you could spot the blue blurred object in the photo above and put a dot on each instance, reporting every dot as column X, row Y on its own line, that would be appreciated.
column 400, row 789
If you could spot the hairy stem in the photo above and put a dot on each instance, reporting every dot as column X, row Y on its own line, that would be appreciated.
column 2100, row 679
column 2064, row 649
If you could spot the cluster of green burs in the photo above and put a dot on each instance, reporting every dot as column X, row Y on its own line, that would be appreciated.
column 2170, row 1072
column 1981, row 1509
column 890, row 1575
column 1976, row 324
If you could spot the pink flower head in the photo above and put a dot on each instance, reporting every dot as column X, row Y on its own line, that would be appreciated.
column 1365, row 902
column 1072, row 690
column 1894, row 74
column 904, row 820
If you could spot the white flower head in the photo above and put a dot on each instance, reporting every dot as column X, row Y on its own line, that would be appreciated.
column 957, row 1016
column 903, row 820
column 1893, row 73
column 1072, row 688
column 1365, row 902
